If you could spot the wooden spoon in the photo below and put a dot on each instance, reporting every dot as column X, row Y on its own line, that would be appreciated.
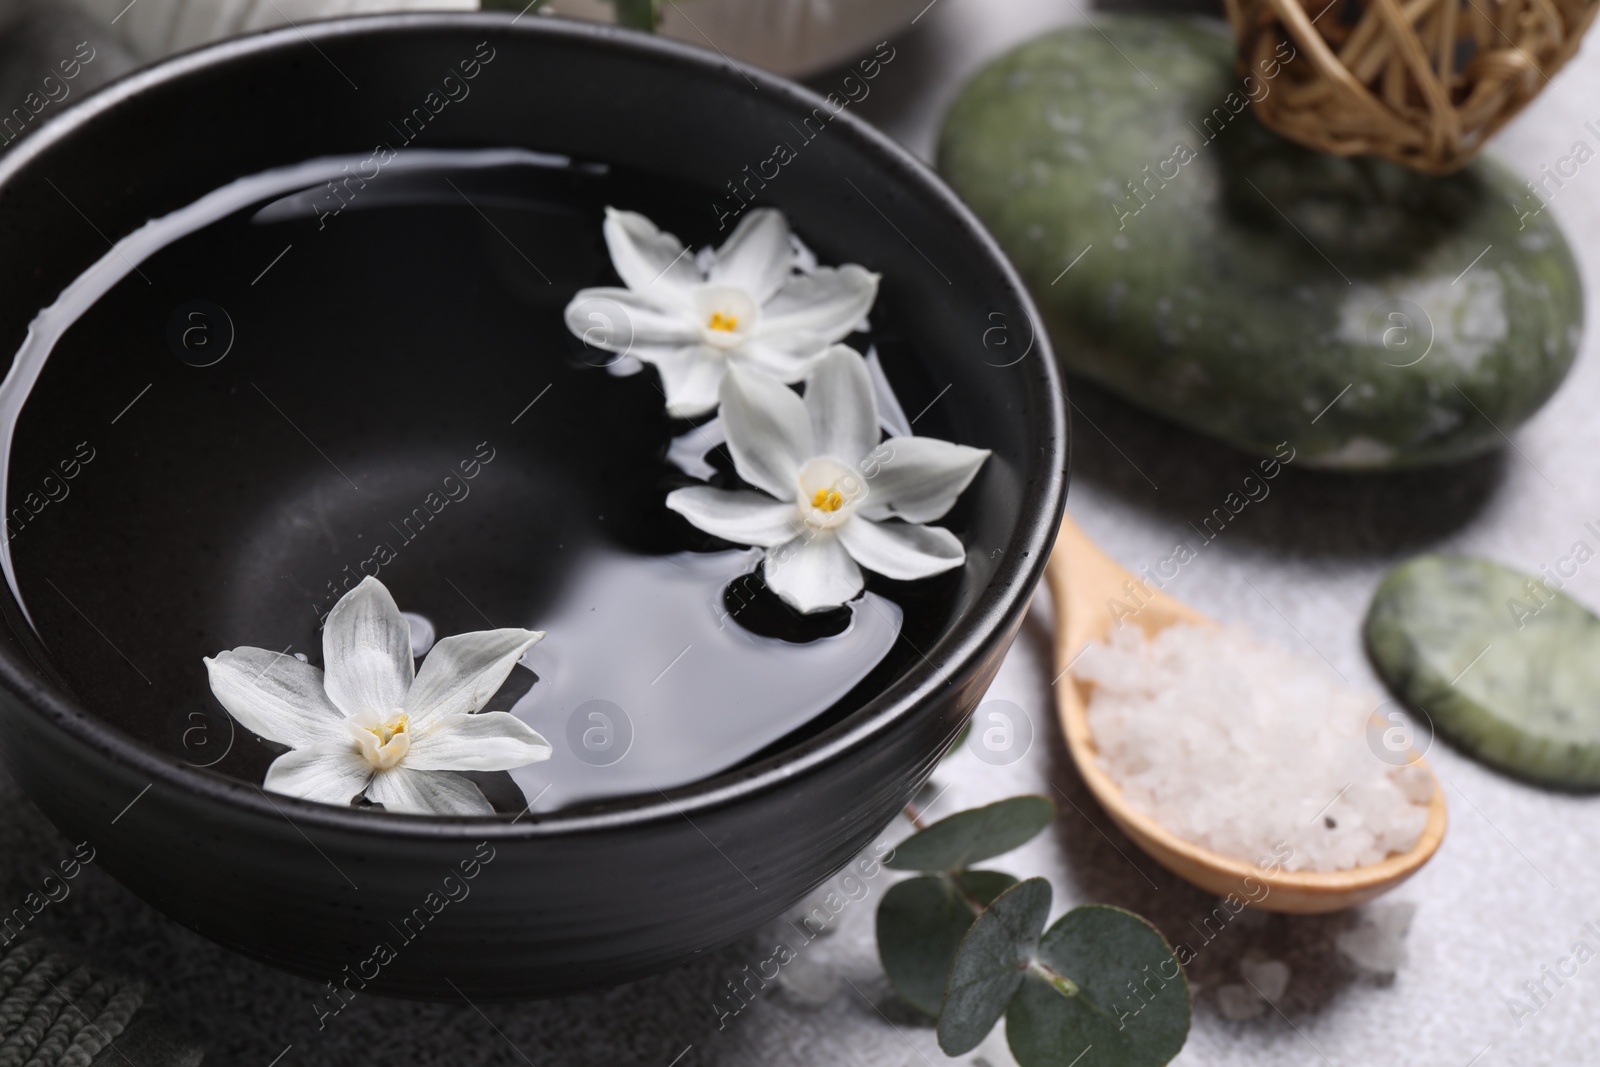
column 1082, row 579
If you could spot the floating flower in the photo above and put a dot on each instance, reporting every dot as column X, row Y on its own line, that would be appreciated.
column 372, row 724
column 748, row 309
column 829, row 492
column 688, row 450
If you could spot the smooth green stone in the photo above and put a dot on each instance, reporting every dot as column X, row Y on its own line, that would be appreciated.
column 1505, row 666
column 1244, row 290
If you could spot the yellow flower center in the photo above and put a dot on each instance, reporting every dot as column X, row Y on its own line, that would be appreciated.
column 827, row 493
column 725, row 323
column 385, row 743
column 828, row 500
column 387, row 730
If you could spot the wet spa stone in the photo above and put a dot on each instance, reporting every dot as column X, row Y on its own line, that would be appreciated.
column 1504, row 664
column 1203, row 267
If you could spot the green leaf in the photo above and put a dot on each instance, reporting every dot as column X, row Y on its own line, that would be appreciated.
column 921, row 922
column 990, row 964
column 1106, row 992
column 969, row 836
column 639, row 14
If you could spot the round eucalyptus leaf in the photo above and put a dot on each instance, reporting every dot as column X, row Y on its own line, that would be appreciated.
column 1107, row 992
column 977, row 834
column 990, row 964
column 921, row 922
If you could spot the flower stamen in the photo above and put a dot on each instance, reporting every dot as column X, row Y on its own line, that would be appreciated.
column 385, row 744
column 725, row 323
column 829, row 500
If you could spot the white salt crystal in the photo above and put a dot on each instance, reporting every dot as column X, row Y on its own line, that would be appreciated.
column 1376, row 944
column 1415, row 782
column 1242, row 747
column 1239, row 1003
column 808, row 980
column 1264, row 982
column 1269, row 977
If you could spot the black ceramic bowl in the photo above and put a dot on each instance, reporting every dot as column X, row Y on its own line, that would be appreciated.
column 207, row 486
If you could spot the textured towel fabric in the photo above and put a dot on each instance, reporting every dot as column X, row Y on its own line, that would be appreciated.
column 151, row 1040
column 55, row 1012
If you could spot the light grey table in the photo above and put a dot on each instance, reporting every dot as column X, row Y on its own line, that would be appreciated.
column 1506, row 896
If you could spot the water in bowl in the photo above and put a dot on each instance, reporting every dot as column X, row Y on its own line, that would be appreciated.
column 252, row 402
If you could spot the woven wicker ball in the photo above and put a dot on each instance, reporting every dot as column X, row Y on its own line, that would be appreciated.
column 1422, row 82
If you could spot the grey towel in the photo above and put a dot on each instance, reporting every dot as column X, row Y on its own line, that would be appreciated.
column 55, row 1012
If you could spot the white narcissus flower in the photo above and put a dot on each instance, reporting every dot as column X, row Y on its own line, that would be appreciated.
column 369, row 724
column 750, row 309
column 829, row 490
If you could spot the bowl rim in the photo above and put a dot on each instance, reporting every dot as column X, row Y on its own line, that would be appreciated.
column 1001, row 604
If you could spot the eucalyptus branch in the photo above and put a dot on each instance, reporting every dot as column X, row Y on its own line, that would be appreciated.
column 968, row 946
column 639, row 14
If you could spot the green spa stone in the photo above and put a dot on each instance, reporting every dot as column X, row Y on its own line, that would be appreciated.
column 1506, row 666
column 1239, row 284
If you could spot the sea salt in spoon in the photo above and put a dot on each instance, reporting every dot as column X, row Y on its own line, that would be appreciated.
column 1082, row 580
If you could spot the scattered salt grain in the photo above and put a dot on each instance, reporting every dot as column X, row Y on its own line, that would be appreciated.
column 1264, row 982
column 1242, row 747
column 1376, row 944
column 1270, row 978
column 1239, row 1003
column 808, row 981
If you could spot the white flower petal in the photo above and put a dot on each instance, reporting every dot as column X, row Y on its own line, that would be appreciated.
column 648, row 260
column 769, row 432
column 276, row 696
column 625, row 366
column 901, row 550
column 462, row 672
column 616, row 320
column 890, row 413
column 757, row 257
column 331, row 773
column 690, row 377
column 777, row 360
column 688, row 450
column 366, row 651
column 487, row 741
column 844, row 413
column 791, row 345
column 918, row 478
column 812, row 573
column 414, row 792
column 829, row 302
column 740, row 516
